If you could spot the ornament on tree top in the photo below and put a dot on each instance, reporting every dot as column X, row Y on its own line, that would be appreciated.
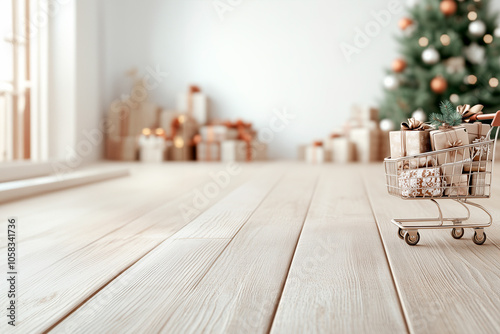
column 439, row 84
column 448, row 7
column 477, row 28
column 391, row 82
column 475, row 53
column 398, row 65
column 430, row 56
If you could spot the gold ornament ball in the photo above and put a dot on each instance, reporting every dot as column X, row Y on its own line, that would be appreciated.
column 398, row 65
column 448, row 7
column 405, row 23
column 439, row 85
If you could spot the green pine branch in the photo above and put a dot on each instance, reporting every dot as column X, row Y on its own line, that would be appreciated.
column 447, row 116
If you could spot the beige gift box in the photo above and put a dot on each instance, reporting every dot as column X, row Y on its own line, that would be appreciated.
column 405, row 143
column 478, row 184
column 421, row 182
column 343, row 150
column 208, row 151
column 440, row 140
column 366, row 143
column 476, row 130
column 238, row 150
column 459, row 188
column 213, row 133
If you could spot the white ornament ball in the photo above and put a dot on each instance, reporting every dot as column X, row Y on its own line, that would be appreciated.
column 454, row 98
column 412, row 3
column 419, row 115
column 391, row 82
column 386, row 125
column 496, row 32
column 477, row 28
column 430, row 56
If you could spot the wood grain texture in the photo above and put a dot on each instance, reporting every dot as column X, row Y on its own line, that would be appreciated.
column 445, row 285
column 110, row 308
column 339, row 280
column 60, row 287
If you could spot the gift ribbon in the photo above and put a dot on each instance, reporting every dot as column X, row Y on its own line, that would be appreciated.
column 467, row 111
column 315, row 151
column 453, row 143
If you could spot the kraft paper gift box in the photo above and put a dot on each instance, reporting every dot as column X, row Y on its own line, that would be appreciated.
column 218, row 133
column 476, row 130
column 364, row 113
column 366, row 143
column 421, row 182
column 240, row 150
column 166, row 119
column 408, row 143
column 122, row 148
column 343, row 150
column 208, row 151
column 478, row 184
column 384, row 145
column 449, row 138
column 460, row 186
column 483, row 150
column 477, row 166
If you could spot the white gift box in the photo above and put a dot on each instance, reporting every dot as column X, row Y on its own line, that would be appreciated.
column 343, row 150
column 315, row 154
column 208, row 151
column 239, row 150
column 152, row 148
column 200, row 103
column 366, row 142
column 364, row 113
column 212, row 133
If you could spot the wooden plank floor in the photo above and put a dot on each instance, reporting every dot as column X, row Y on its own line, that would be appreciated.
column 276, row 247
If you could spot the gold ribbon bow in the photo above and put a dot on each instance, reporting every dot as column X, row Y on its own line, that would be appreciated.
column 414, row 125
column 454, row 144
column 467, row 111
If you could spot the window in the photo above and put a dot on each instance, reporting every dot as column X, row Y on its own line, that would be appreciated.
column 15, row 80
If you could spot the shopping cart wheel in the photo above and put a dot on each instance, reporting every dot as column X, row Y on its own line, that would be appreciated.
column 479, row 238
column 401, row 233
column 457, row 233
column 412, row 240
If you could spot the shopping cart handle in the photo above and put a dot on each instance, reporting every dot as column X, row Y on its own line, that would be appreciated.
column 495, row 117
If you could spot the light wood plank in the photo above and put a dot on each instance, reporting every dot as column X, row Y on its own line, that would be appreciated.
column 58, row 289
column 339, row 281
column 241, row 291
column 112, row 312
column 445, row 285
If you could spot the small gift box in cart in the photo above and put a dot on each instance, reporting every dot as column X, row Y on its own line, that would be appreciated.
column 459, row 172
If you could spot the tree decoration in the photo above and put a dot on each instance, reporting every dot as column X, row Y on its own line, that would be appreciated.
column 386, row 125
column 405, row 23
column 448, row 7
column 451, row 50
column 398, row 65
column 477, row 28
column 455, row 65
column 419, row 115
column 391, row 82
column 447, row 117
column 430, row 56
column 475, row 53
column 439, row 85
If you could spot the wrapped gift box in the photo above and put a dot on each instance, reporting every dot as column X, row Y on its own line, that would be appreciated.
column 181, row 150
column 482, row 151
column 218, row 133
column 364, row 113
column 366, row 143
column 166, row 119
column 405, row 143
column 343, row 150
column 384, row 145
column 449, row 138
column 316, row 153
column 460, row 186
column 421, row 182
column 479, row 184
column 199, row 107
column 476, row 130
column 239, row 150
column 208, row 151
column 122, row 148
column 152, row 148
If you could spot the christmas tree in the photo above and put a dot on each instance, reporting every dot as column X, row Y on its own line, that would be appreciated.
column 450, row 50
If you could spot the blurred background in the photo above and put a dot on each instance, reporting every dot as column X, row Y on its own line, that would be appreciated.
column 86, row 80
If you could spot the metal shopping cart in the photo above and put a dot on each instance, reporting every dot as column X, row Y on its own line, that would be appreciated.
column 458, row 173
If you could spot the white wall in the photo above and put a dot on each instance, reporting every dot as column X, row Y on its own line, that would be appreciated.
column 265, row 54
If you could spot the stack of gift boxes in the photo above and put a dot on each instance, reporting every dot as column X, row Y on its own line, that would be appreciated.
column 143, row 131
column 359, row 140
column 455, row 172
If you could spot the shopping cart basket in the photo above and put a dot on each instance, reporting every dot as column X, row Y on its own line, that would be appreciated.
column 458, row 173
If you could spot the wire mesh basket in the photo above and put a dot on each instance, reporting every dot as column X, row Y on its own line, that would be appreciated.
column 458, row 173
